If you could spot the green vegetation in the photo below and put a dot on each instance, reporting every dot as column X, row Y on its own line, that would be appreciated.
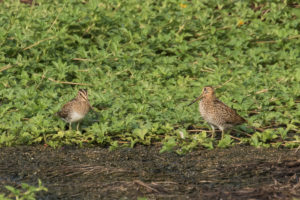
column 143, row 62
column 26, row 193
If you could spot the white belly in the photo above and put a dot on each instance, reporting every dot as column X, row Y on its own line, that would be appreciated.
column 75, row 116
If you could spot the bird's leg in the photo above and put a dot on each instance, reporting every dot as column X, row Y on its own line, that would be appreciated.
column 222, row 129
column 213, row 131
column 78, row 126
column 70, row 126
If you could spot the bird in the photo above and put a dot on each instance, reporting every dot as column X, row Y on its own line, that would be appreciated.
column 216, row 113
column 76, row 109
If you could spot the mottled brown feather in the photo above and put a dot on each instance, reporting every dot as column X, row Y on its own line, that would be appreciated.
column 215, row 112
column 231, row 116
column 79, row 104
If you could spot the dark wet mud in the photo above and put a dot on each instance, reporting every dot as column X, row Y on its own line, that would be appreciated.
column 239, row 172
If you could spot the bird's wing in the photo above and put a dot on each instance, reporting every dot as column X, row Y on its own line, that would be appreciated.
column 230, row 116
column 65, row 110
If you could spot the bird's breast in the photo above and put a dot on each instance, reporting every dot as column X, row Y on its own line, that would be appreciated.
column 202, row 108
column 206, row 111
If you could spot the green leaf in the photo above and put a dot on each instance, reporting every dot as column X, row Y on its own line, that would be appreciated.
column 225, row 142
column 168, row 145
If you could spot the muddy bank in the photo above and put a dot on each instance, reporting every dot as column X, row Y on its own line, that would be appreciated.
column 239, row 172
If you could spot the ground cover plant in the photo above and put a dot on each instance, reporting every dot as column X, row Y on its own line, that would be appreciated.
column 142, row 63
column 27, row 192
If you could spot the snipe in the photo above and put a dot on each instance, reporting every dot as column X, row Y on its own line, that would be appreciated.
column 216, row 113
column 76, row 109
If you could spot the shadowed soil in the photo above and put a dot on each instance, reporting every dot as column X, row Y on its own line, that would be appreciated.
column 240, row 172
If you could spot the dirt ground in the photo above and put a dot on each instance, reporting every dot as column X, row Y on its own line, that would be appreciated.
column 240, row 172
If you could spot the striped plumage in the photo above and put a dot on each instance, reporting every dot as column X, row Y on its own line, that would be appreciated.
column 216, row 113
column 76, row 109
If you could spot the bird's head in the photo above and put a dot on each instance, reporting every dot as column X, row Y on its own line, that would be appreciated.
column 83, row 94
column 207, row 91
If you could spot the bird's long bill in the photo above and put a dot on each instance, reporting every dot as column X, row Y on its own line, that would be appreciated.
column 197, row 99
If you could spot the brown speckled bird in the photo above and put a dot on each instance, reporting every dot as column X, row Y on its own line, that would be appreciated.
column 216, row 113
column 76, row 109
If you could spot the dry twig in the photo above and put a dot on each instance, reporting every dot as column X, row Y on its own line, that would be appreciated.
column 5, row 67
column 224, row 83
column 82, row 59
column 274, row 41
column 145, row 185
column 235, row 138
column 67, row 82
column 38, row 42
